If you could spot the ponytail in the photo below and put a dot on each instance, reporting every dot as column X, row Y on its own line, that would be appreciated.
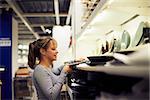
column 34, row 50
column 31, row 55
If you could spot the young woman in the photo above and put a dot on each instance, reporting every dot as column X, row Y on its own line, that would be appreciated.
column 48, row 85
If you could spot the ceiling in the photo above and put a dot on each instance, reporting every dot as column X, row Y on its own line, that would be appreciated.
column 35, row 16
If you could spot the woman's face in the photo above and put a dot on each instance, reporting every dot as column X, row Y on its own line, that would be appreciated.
column 52, row 52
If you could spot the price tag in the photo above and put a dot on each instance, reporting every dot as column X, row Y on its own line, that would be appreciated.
column 5, row 42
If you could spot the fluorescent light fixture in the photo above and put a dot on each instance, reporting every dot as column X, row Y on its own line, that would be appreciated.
column 48, row 31
column 20, row 46
column 25, row 47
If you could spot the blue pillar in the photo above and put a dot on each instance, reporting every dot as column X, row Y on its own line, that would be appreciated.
column 6, row 53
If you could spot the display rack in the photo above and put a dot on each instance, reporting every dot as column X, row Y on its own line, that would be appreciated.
column 132, row 71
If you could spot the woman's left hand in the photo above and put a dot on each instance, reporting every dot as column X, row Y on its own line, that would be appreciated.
column 67, row 69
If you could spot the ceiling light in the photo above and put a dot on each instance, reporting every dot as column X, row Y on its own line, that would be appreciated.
column 20, row 46
column 48, row 31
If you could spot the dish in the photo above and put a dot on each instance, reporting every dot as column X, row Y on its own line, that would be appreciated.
column 126, row 52
column 99, row 60
column 138, row 58
column 139, row 34
column 115, row 45
column 125, row 40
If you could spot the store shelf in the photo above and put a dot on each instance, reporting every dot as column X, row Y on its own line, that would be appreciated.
column 133, row 71
column 137, row 48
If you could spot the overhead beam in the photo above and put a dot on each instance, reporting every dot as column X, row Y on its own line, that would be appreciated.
column 24, row 31
column 27, row 32
column 56, row 5
column 69, row 13
column 37, row 25
column 17, row 10
column 4, row 5
column 43, row 28
column 25, row 38
column 19, row 22
column 45, row 25
column 43, row 15
column 23, row 28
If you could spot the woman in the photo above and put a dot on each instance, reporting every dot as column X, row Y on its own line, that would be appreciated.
column 48, row 85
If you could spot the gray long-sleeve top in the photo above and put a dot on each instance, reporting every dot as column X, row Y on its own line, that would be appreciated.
column 48, row 85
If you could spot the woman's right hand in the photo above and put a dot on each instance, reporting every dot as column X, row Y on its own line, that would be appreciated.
column 67, row 69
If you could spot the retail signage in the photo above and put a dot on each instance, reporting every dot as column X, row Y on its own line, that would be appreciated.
column 6, row 54
column 5, row 42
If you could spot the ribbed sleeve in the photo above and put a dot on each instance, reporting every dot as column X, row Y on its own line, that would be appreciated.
column 44, row 81
column 58, row 70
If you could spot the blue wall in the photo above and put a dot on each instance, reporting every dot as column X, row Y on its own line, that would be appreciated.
column 6, row 53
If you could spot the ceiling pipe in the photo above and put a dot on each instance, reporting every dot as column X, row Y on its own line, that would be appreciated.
column 57, row 11
column 38, row 25
column 24, row 20
column 43, row 15
column 43, row 28
column 28, row 32
column 69, row 14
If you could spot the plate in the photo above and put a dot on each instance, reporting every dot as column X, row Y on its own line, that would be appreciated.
column 125, row 40
column 115, row 45
column 126, row 52
column 99, row 60
column 138, row 36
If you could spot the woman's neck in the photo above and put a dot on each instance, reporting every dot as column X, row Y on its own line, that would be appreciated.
column 46, row 63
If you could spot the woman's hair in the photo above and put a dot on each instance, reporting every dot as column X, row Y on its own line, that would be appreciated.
column 34, row 50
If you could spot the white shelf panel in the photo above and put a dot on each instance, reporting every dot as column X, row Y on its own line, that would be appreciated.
column 133, row 71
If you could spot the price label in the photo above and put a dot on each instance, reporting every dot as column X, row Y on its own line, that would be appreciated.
column 5, row 42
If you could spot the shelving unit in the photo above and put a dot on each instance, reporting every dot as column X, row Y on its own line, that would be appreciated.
column 108, row 78
column 131, row 71
column 22, row 53
column 107, row 21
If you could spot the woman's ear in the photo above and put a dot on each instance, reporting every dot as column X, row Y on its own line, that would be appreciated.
column 42, row 51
